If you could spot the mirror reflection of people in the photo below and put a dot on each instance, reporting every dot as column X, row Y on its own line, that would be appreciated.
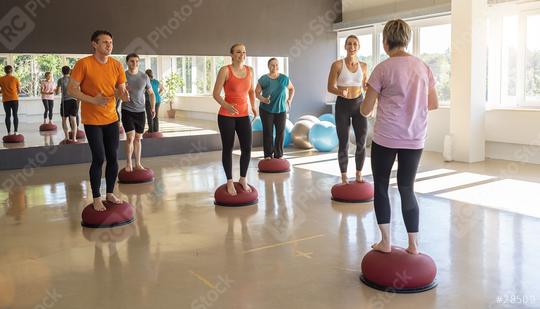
column 10, row 88
column 47, row 89
column 157, row 88
column 69, row 106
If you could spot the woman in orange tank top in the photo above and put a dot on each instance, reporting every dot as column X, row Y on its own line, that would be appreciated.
column 237, row 82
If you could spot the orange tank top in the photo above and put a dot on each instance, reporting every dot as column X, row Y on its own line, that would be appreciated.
column 236, row 93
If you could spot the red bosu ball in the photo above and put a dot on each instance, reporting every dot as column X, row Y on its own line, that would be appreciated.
column 135, row 176
column 398, row 271
column 353, row 192
column 47, row 127
column 242, row 198
column 18, row 138
column 274, row 166
column 115, row 215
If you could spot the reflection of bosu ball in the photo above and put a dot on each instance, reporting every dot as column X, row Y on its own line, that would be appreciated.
column 328, row 117
column 152, row 134
column 309, row 118
column 398, row 271
column 353, row 192
column 14, row 138
column 80, row 134
column 115, row 215
column 300, row 134
column 69, row 142
column 110, row 235
column 256, row 125
column 274, row 166
column 135, row 176
column 47, row 127
column 323, row 136
column 242, row 197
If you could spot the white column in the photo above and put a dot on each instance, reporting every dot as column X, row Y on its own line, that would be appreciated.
column 468, row 81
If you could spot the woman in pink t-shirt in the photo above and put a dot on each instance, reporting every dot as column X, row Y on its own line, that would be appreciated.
column 404, row 87
column 47, row 96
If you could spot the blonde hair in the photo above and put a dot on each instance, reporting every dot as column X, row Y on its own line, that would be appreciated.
column 235, row 46
column 396, row 33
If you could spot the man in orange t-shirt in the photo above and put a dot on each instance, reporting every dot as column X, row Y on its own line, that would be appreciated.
column 10, row 87
column 94, row 81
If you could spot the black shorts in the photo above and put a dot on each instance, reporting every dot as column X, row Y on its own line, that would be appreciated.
column 69, row 108
column 133, row 121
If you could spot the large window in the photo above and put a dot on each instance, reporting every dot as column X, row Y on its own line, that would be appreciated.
column 30, row 69
column 430, row 41
column 532, row 60
column 514, row 55
column 435, row 51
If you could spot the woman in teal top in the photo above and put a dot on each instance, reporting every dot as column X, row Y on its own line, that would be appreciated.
column 272, row 93
column 153, row 124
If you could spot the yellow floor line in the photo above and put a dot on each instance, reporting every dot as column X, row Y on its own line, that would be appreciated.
column 283, row 243
column 202, row 279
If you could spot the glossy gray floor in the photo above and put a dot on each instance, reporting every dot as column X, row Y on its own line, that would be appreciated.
column 295, row 249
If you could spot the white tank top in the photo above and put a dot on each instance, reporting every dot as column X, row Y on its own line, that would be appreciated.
column 348, row 79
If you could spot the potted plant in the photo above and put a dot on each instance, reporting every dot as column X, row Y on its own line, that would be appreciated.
column 172, row 84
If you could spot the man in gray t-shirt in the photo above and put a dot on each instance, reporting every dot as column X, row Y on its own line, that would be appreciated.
column 69, row 108
column 133, row 111
column 137, row 84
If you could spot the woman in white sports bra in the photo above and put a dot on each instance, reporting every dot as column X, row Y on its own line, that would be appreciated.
column 347, row 80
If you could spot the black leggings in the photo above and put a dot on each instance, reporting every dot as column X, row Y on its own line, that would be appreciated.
column 347, row 109
column 227, row 127
column 103, row 141
column 48, row 104
column 269, row 120
column 11, row 108
column 382, row 160
column 153, row 124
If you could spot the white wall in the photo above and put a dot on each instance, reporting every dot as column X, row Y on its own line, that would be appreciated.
column 511, row 134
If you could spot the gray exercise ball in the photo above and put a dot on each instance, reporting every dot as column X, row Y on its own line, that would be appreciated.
column 309, row 118
column 300, row 134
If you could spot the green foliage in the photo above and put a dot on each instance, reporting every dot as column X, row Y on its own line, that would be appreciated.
column 172, row 84
column 30, row 69
column 440, row 65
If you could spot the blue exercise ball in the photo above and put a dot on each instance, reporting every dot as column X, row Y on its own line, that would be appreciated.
column 287, row 139
column 323, row 136
column 328, row 117
column 256, row 125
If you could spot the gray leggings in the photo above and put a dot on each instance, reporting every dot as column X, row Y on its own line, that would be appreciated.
column 347, row 110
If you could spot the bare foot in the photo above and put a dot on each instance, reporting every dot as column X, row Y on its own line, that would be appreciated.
column 111, row 198
column 359, row 177
column 412, row 248
column 98, row 204
column 382, row 247
column 230, row 188
column 139, row 167
column 268, row 158
column 244, row 184
column 128, row 168
column 344, row 179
